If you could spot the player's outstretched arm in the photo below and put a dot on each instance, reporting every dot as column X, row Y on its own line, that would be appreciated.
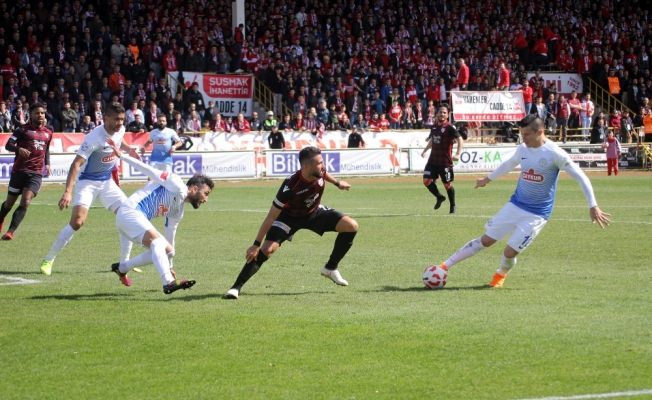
column 576, row 173
column 340, row 184
column 252, row 251
column 132, row 152
column 428, row 147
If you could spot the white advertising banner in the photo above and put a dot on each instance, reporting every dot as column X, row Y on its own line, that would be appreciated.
column 232, row 94
column 488, row 106
column 59, row 167
column 472, row 159
column 344, row 162
column 565, row 83
column 219, row 165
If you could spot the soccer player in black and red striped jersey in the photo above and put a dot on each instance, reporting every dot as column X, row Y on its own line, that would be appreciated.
column 31, row 143
column 298, row 206
column 440, row 163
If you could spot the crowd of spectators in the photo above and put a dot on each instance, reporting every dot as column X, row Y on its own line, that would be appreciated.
column 387, row 63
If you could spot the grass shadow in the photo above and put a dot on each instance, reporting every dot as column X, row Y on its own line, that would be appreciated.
column 76, row 297
column 423, row 289
column 21, row 273
column 287, row 294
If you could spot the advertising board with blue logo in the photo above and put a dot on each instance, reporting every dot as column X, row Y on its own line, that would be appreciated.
column 342, row 162
column 219, row 165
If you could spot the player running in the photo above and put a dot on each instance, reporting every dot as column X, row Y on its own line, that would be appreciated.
column 165, row 196
column 31, row 143
column 94, row 182
column 440, row 162
column 166, row 142
column 531, row 204
column 298, row 206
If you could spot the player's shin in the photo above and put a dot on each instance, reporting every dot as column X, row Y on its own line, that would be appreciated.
column 144, row 258
column 125, row 248
column 65, row 236
column 470, row 249
column 160, row 260
column 249, row 270
column 451, row 195
column 432, row 187
column 3, row 212
column 506, row 265
column 343, row 243
column 17, row 218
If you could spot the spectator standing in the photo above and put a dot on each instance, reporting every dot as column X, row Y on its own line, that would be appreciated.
column 575, row 105
column 275, row 140
column 626, row 127
column 612, row 145
column 563, row 112
column 68, row 118
column 527, row 96
column 586, row 114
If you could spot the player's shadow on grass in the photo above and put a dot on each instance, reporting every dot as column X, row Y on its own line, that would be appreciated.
column 76, row 297
column 423, row 289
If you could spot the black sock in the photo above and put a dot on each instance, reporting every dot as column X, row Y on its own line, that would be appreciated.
column 3, row 211
column 451, row 196
column 433, row 189
column 343, row 243
column 249, row 270
column 17, row 218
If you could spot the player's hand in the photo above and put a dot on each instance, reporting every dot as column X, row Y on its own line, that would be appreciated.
column 48, row 170
column 423, row 154
column 65, row 201
column 482, row 182
column 600, row 217
column 115, row 148
column 24, row 152
column 344, row 186
column 134, row 154
column 456, row 157
column 252, row 253
column 173, row 150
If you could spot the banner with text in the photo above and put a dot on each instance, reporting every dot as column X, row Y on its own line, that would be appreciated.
column 564, row 83
column 345, row 162
column 219, row 165
column 232, row 94
column 59, row 167
column 472, row 159
column 488, row 106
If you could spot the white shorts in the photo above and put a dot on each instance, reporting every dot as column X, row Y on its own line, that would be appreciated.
column 523, row 225
column 132, row 224
column 108, row 192
column 161, row 166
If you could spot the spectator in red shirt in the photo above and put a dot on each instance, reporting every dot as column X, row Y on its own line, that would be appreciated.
column 463, row 75
column 241, row 125
column 7, row 70
column 540, row 51
column 575, row 107
column 170, row 61
column 503, row 78
column 395, row 115
column 527, row 96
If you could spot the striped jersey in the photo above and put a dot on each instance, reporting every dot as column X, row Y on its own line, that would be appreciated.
column 162, row 143
column 298, row 197
column 156, row 200
column 99, row 156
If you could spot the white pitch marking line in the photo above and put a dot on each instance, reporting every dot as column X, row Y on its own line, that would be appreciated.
column 629, row 393
column 17, row 281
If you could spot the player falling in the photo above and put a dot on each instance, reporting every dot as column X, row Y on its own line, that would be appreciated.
column 165, row 196
column 531, row 204
column 31, row 143
column 94, row 182
column 440, row 163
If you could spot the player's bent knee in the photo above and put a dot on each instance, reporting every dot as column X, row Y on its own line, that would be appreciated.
column 427, row 181
column 447, row 186
column 487, row 241
column 510, row 252
column 269, row 248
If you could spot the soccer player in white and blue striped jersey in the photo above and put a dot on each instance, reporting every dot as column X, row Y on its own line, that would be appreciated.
column 94, row 181
column 165, row 142
column 164, row 196
column 531, row 204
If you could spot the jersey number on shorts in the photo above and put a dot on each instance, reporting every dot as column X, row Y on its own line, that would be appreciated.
column 526, row 242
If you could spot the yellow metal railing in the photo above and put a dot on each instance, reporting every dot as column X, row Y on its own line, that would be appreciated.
column 265, row 96
column 605, row 100
column 179, row 85
column 647, row 154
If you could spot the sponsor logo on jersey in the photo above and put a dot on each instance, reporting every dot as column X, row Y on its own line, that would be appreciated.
column 286, row 188
column 321, row 182
column 108, row 159
column 310, row 201
column 303, row 191
column 532, row 176
column 161, row 210
column 543, row 162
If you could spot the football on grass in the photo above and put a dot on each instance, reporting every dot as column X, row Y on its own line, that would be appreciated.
column 434, row 277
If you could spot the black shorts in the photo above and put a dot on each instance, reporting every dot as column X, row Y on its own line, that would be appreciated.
column 324, row 219
column 438, row 171
column 20, row 181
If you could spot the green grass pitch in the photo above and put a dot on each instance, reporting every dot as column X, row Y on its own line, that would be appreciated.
column 574, row 317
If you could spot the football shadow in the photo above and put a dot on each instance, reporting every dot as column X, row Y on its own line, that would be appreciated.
column 423, row 289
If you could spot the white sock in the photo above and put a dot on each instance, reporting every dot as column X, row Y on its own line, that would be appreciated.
column 470, row 249
column 65, row 236
column 160, row 259
column 506, row 264
column 140, row 260
column 125, row 248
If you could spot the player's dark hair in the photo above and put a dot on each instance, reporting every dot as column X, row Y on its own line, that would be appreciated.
column 114, row 108
column 440, row 107
column 35, row 106
column 307, row 153
column 161, row 116
column 200, row 180
column 533, row 121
